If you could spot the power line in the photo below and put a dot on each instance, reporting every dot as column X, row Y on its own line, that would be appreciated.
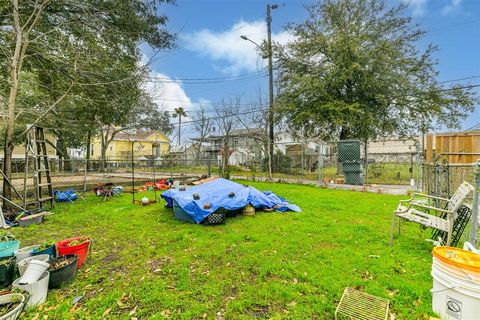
column 450, row 27
column 449, row 89
column 208, row 79
column 266, row 109
column 460, row 79
column 474, row 127
column 427, row 92
column 204, row 81
column 219, row 117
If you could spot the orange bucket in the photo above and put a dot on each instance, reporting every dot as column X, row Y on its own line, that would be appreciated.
column 458, row 258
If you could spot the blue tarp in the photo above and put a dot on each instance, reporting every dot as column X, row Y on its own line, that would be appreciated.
column 217, row 192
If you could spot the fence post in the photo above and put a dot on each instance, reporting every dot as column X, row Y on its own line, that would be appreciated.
column 85, row 176
column 25, row 179
column 474, row 228
column 209, row 164
column 220, row 164
column 154, row 178
column 320, row 164
column 365, row 178
column 302, row 158
column 419, row 174
column 412, row 176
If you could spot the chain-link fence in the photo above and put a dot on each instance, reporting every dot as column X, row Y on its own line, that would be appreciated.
column 83, row 175
column 352, row 162
column 397, row 164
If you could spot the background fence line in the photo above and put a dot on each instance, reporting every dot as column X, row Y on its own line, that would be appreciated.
column 399, row 163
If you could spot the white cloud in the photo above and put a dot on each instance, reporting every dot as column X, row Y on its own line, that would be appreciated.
column 419, row 6
column 166, row 92
column 227, row 45
column 452, row 6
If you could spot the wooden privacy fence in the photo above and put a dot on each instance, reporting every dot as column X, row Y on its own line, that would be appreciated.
column 459, row 148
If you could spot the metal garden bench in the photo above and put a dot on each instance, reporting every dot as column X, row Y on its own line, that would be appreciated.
column 419, row 207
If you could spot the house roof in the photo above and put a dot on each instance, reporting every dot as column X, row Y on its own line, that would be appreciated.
column 139, row 135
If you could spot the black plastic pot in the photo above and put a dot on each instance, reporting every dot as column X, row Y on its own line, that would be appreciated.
column 64, row 274
column 7, row 271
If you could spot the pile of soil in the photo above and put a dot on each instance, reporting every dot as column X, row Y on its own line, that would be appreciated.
column 60, row 262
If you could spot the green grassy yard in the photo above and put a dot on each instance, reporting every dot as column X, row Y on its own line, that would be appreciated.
column 146, row 264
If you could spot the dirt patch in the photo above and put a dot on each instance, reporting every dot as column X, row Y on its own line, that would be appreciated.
column 119, row 269
column 155, row 265
column 258, row 311
column 111, row 257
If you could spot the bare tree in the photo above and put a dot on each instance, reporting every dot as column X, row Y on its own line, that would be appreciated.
column 227, row 121
column 256, row 120
column 203, row 126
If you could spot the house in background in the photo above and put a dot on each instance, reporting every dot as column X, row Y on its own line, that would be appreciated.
column 19, row 149
column 183, row 154
column 248, row 145
column 393, row 149
column 245, row 145
column 153, row 144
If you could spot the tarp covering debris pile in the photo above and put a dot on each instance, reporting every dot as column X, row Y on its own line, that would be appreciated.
column 216, row 193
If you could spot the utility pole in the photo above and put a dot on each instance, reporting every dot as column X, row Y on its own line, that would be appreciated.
column 269, row 56
column 270, row 86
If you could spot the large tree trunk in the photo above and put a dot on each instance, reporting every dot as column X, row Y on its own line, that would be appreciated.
column 15, row 67
column 106, row 140
column 226, row 159
column 344, row 133
column 63, row 154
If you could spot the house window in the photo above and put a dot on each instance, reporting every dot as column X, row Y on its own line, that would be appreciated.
column 91, row 149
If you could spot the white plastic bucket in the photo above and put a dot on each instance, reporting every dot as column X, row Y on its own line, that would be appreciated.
column 457, row 271
column 22, row 265
column 38, row 290
column 34, row 272
column 24, row 252
column 454, row 295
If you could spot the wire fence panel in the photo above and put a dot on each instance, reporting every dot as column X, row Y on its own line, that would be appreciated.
column 444, row 174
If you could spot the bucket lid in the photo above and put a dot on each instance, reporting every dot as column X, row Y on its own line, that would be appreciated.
column 458, row 257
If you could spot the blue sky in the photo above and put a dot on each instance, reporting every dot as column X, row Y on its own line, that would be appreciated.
column 209, row 46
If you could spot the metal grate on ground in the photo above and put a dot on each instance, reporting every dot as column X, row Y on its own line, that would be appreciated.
column 358, row 305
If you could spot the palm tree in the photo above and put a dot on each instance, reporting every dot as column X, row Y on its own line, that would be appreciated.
column 179, row 112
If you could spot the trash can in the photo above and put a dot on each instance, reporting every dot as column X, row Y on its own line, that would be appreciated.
column 351, row 161
column 353, row 172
